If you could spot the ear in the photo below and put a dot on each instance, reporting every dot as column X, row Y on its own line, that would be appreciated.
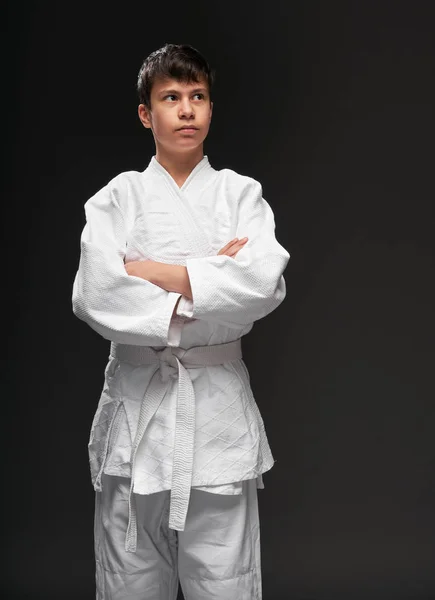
column 144, row 115
column 211, row 109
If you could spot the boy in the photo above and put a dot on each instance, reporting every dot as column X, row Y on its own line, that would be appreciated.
column 177, row 446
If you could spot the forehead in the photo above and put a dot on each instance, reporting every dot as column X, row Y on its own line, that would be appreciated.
column 169, row 84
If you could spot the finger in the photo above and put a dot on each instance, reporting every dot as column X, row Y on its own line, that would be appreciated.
column 227, row 246
column 239, row 244
column 230, row 247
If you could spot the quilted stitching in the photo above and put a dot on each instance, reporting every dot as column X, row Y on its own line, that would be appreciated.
column 227, row 441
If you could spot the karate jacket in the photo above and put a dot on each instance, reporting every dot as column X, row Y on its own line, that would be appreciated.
column 146, row 215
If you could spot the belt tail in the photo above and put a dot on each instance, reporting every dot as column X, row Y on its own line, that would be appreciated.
column 182, row 464
column 131, row 535
column 148, row 408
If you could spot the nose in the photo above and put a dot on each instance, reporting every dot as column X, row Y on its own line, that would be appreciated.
column 186, row 108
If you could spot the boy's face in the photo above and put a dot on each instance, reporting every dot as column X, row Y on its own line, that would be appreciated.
column 175, row 105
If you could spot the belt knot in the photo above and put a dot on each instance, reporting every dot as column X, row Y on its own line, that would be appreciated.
column 167, row 364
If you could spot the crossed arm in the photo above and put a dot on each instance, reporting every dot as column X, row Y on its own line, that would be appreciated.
column 174, row 278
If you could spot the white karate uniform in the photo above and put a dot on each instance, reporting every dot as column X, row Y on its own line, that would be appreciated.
column 160, row 424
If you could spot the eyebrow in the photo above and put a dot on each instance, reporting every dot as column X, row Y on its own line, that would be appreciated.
column 200, row 89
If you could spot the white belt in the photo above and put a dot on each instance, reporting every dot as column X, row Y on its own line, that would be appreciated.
column 171, row 361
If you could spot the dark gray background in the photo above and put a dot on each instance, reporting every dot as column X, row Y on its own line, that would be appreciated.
column 330, row 105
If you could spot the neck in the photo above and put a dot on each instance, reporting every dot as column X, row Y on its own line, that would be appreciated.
column 179, row 164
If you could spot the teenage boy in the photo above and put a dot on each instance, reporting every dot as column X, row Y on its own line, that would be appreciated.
column 176, row 264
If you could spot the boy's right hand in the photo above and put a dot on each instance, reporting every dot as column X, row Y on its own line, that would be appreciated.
column 233, row 247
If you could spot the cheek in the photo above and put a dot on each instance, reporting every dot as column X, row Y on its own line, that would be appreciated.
column 159, row 129
column 162, row 125
column 207, row 124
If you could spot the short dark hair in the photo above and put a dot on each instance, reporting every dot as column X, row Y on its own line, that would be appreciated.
column 175, row 61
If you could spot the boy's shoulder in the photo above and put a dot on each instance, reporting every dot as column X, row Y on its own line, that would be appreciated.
column 121, row 179
column 235, row 175
column 238, row 180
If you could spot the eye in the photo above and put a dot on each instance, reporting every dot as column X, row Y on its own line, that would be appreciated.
column 174, row 96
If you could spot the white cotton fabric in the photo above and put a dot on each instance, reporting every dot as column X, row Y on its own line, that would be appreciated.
column 216, row 557
column 145, row 215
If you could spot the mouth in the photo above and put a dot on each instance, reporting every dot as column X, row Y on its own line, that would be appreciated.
column 188, row 129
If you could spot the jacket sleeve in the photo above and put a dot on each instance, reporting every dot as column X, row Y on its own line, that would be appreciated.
column 120, row 307
column 238, row 291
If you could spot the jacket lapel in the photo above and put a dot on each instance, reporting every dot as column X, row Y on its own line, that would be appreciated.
column 182, row 199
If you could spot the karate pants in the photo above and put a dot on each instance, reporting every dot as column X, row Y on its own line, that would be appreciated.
column 216, row 557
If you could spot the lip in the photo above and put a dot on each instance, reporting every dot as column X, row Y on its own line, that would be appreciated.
column 188, row 129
